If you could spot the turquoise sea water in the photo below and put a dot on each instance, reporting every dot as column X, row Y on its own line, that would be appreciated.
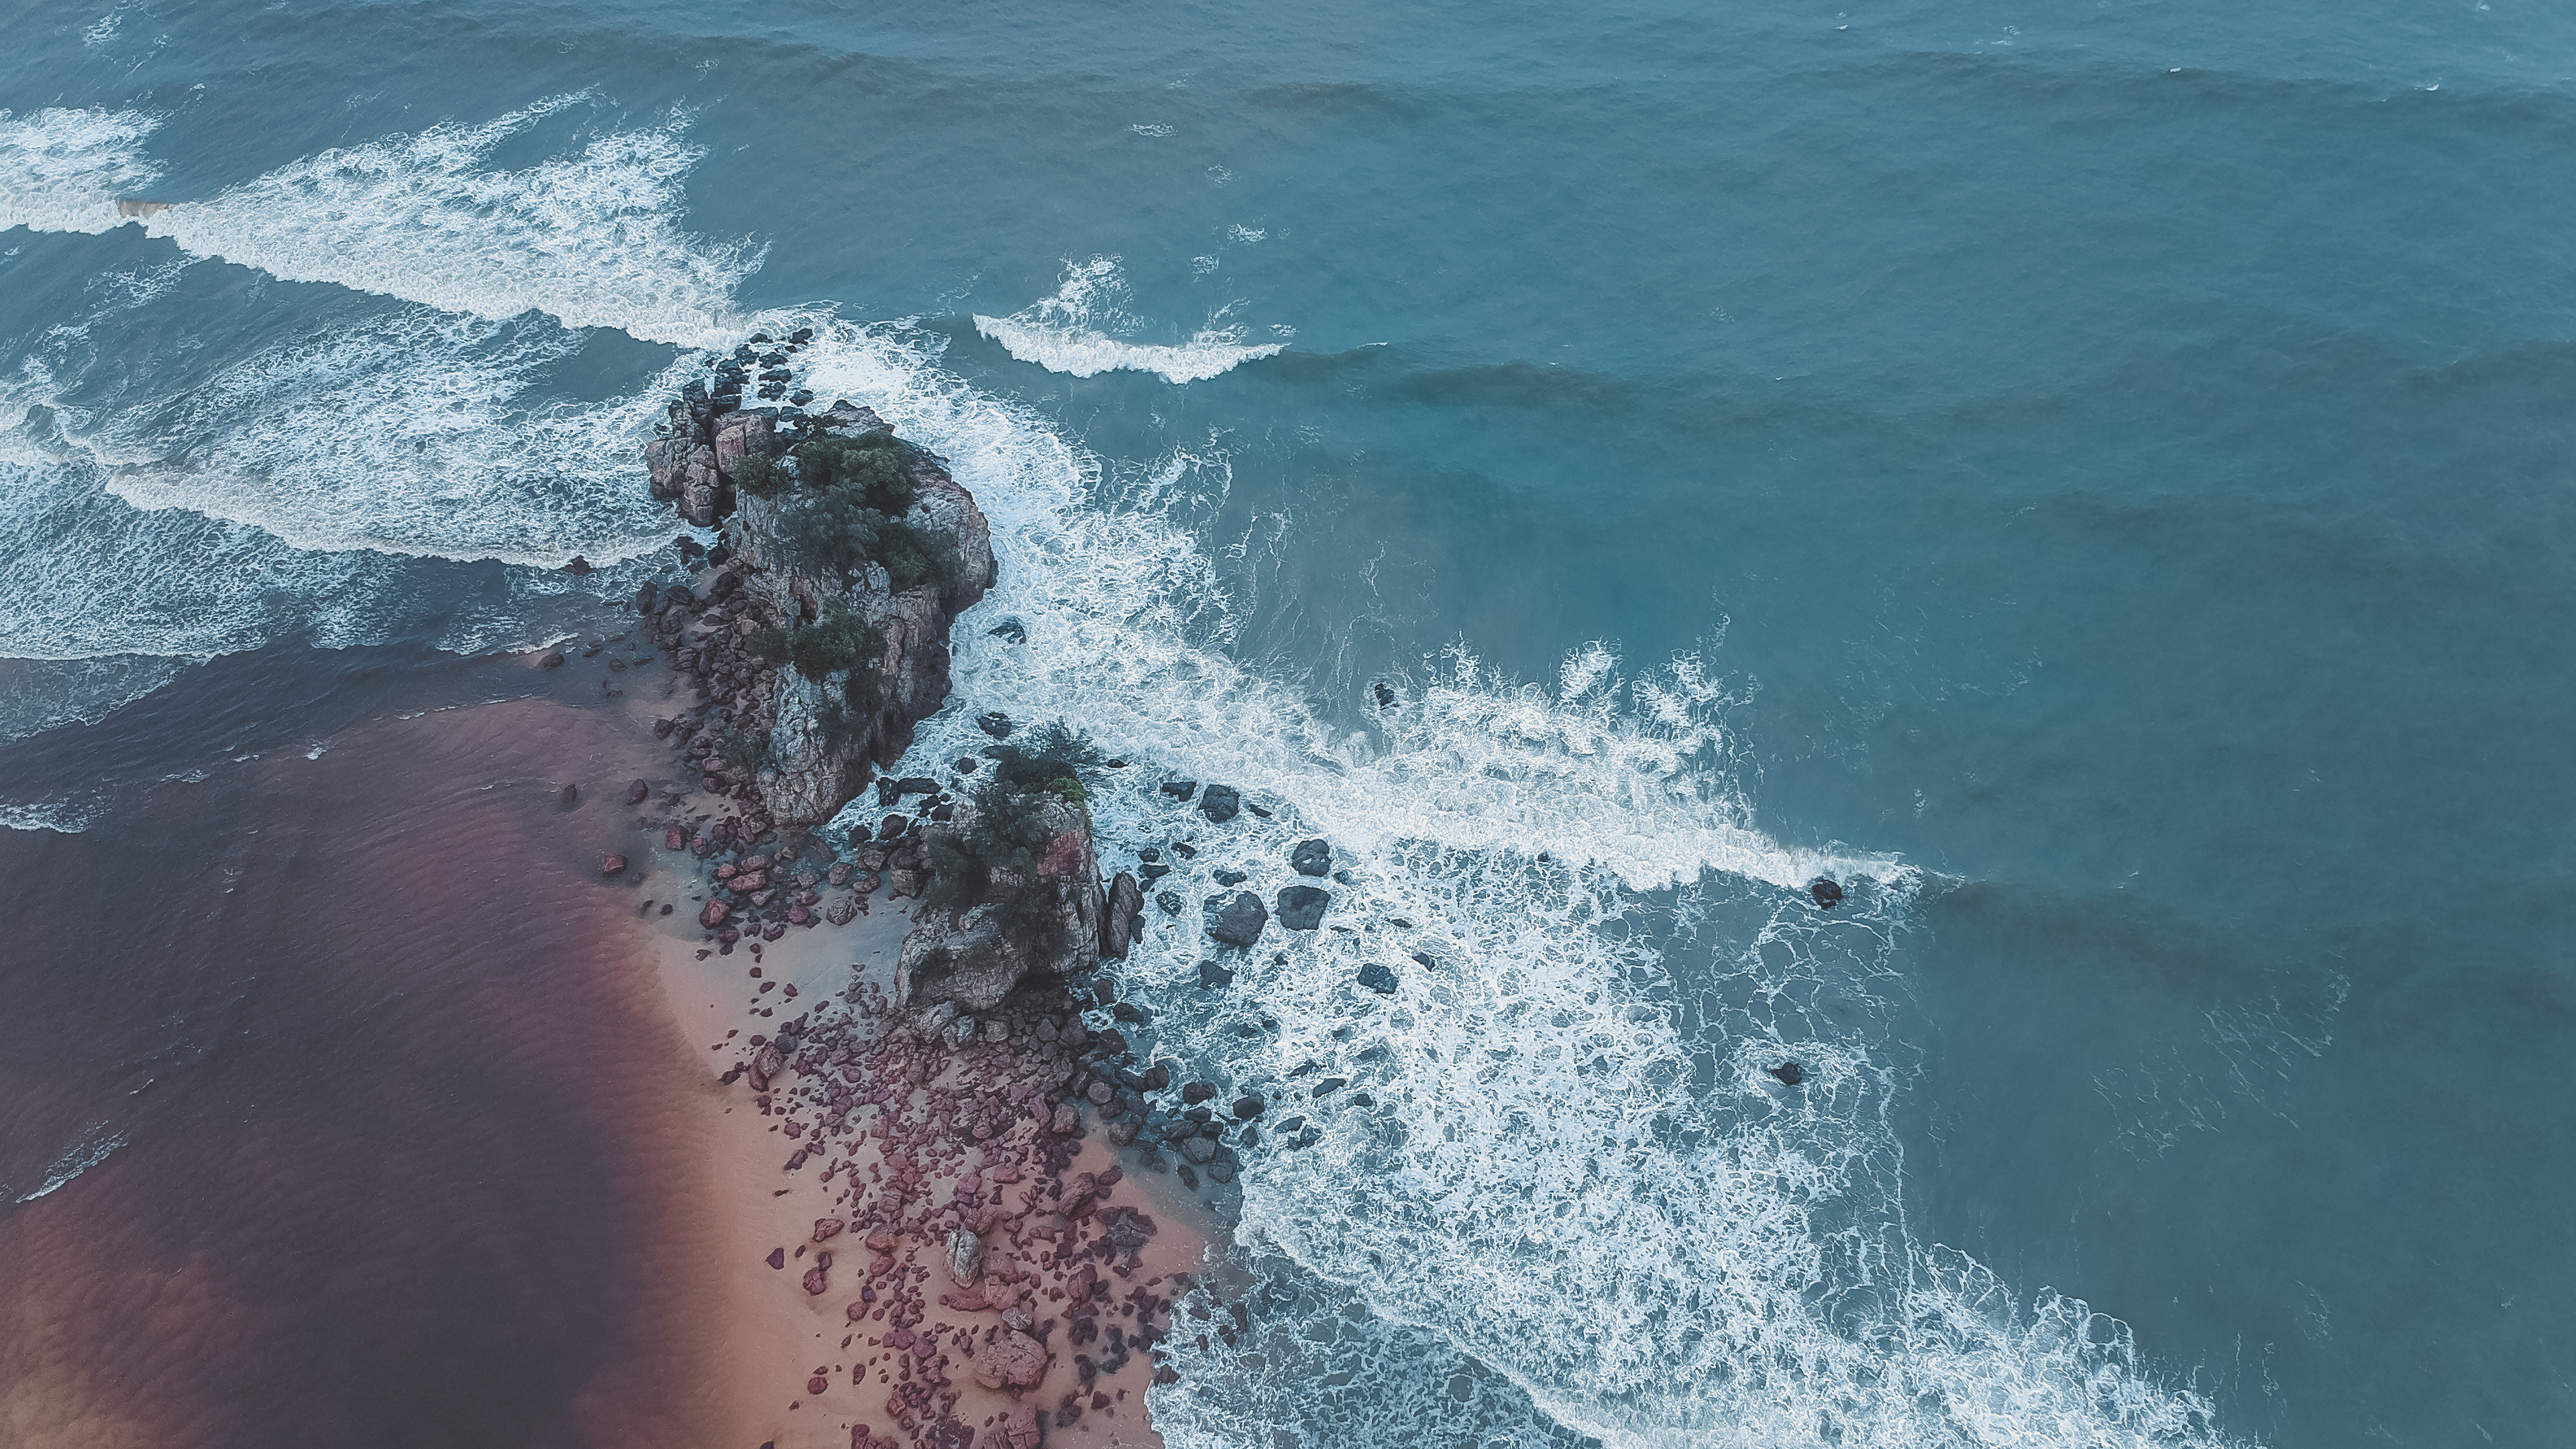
column 2096, row 478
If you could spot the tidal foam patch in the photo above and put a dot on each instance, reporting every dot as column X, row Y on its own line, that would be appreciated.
column 1065, row 333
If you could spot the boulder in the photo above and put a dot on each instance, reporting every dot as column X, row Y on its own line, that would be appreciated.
column 1019, row 1427
column 1827, row 891
column 965, row 1258
column 1301, row 907
column 1181, row 789
column 714, row 914
column 1376, row 977
column 1240, row 921
column 1013, row 1361
column 1118, row 922
column 1311, row 857
column 1221, row 803
column 612, row 865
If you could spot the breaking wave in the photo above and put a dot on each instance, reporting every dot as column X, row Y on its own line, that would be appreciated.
column 1063, row 333
column 591, row 239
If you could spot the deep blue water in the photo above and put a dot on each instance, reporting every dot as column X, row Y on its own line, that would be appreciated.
column 2106, row 471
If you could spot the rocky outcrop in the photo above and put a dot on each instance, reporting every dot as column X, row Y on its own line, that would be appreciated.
column 971, row 957
column 818, row 758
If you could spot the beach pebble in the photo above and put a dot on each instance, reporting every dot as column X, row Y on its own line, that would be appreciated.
column 638, row 792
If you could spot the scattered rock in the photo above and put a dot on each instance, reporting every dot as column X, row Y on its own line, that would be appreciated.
column 1170, row 901
column 965, row 1257
column 1212, row 975
column 1311, row 857
column 579, row 567
column 826, row 1229
column 1377, row 978
column 1249, row 1107
column 1301, row 907
column 571, row 793
column 638, row 792
column 1221, row 803
column 1789, row 1073
column 612, row 865
column 994, row 723
column 1827, row 891
column 1241, row 921
column 1177, row 789
column 1231, row 877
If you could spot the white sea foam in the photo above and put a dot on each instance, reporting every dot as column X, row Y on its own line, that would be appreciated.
column 590, row 238
column 405, row 434
column 65, row 817
column 1065, row 333
column 1572, row 1166
column 64, row 170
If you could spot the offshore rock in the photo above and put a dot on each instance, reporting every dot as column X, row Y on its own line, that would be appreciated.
column 1221, row 803
column 1311, row 857
column 1118, row 925
column 1241, row 921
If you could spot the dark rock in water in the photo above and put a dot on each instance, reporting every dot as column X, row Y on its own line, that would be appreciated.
column 778, row 1257
column 800, row 336
column 1344, row 877
column 757, row 339
column 1211, row 976
column 1301, row 907
column 943, row 812
column 1420, row 959
column 1153, row 870
column 1010, row 629
column 801, row 396
column 1170, row 901
column 1241, row 921
column 1249, row 1107
column 1789, row 1073
column 1827, row 893
column 1231, row 877
column 551, row 659
column 1197, row 1092
column 648, row 599
column 1257, row 810
column 1330, row 1085
column 892, row 826
column 680, row 596
column 579, row 567
column 1127, row 1011
column 915, row 785
column 1149, row 853
column 1385, row 696
column 688, row 546
column 1311, row 857
column 994, row 723
column 571, row 793
column 719, row 556
column 966, row 764
column 1185, row 851
column 612, row 865
column 1221, row 803
column 725, row 585
column 1377, row 978
column 1180, row 789
column 1118, row 923
column 638, row 792
column 1290, row 1126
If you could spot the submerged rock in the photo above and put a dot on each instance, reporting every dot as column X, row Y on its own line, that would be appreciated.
column 1301, row 907
column 1827, row 892
column 1221, row 803
column 1376, row 977
column 1789, row 1073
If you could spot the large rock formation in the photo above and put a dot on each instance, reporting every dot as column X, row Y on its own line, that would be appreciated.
column 814, row 769
column 968, row 956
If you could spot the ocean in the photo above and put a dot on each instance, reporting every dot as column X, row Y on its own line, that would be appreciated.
column 2094, row 481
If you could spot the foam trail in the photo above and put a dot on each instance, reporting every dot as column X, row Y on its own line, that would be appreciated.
column 81, row 1158
column 590, row 239
column 1556, row 1153
column 1062, row 333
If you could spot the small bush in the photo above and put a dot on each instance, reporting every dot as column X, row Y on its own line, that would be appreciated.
column 759, row 475
column 839, row 640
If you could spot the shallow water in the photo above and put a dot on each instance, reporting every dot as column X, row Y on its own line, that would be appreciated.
column 2093, row 480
